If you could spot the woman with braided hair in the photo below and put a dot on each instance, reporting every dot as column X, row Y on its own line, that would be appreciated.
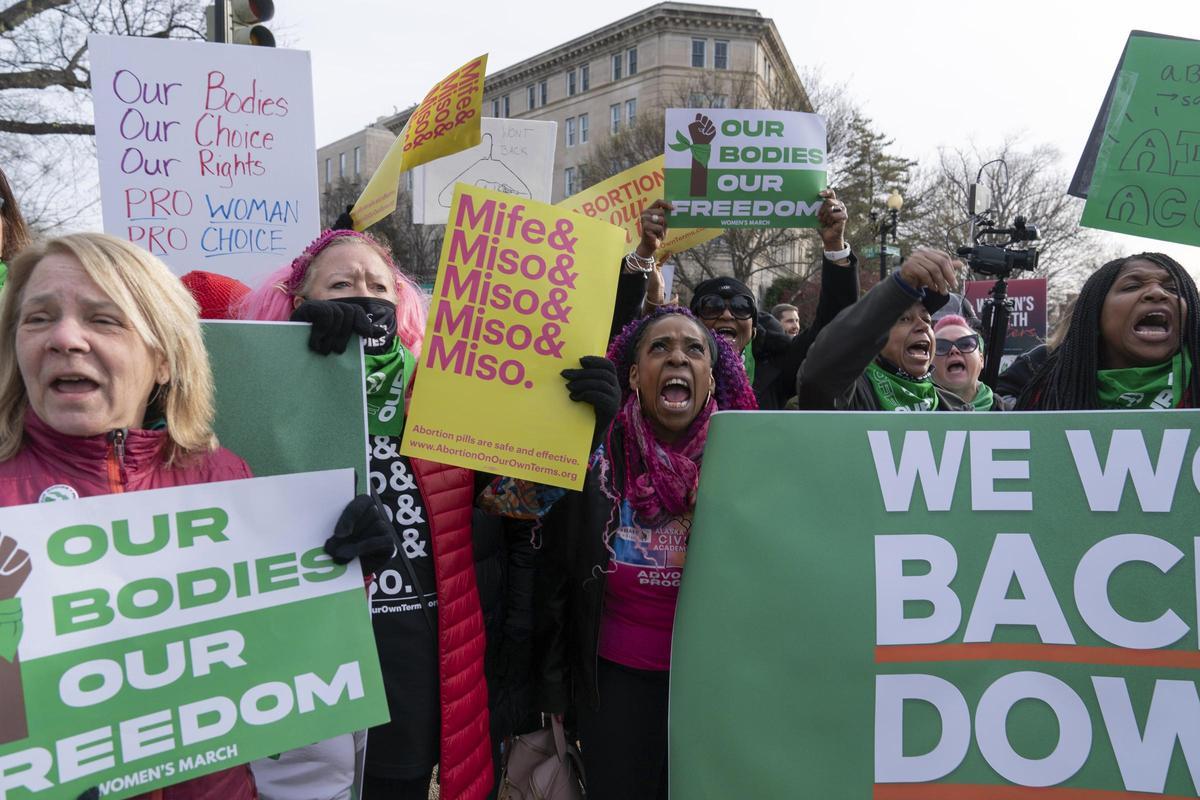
column 1132, row 344
column 614, row 552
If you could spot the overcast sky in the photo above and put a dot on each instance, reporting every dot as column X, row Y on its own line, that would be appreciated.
column 929, row 74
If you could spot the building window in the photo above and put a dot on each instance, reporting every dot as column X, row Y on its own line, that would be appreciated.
column 530, row 97
column 570, row 83
column 341, row 165
column 698, row 47
column 630, row 111
column 570, row 131
column 408, row 181
column 585, row 77
column 616, row 67
column 496, row 108
column 767, row 72
column 569, row 181
column 328, row 171
column 719, row 101
column 504, row 107
column 632, row 59
column 583, row 128
column 720, row 54
column 614, row 114
column 357, row 161
column 543, row 94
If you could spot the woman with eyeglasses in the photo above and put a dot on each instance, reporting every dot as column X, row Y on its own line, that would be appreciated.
column 958, row 360
column 878, row 354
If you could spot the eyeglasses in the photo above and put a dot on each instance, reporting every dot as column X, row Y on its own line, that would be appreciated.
column 714, row 305
column 964, row 345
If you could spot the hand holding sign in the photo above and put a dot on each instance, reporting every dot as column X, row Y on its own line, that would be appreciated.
column 931, row 269
column 15, row 567
column 654, row 228
column 596, row 384
column 831, row 220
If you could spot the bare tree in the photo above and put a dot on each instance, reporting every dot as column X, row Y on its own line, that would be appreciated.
column 415, row 248
column 45, row 100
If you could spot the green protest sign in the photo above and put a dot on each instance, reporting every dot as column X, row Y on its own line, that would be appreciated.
column 163, row 635
column 730, row 168
column 936, row 606
column 282, row 407
column 1145, row 179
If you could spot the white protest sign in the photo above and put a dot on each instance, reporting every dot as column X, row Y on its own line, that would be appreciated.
column 206, row 152
column 516, row 156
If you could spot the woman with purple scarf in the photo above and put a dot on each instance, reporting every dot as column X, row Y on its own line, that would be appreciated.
column 614, row 552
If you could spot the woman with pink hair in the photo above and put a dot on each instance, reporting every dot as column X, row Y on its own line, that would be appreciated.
column 425, row 601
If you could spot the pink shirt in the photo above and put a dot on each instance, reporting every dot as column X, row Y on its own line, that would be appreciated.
column 641, row 591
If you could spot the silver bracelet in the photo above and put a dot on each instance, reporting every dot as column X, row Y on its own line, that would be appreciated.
column 636, row 263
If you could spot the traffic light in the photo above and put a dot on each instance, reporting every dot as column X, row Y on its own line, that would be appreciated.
column 238, row 22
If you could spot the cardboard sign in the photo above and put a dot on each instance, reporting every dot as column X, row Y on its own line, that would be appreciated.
column 175, row 632
column 728, row 168
column 515, row 156
column 448, row 120
column 621, row 199
column 198, row 146
column 523, row 291
column 940, row 606
column 1146, row 180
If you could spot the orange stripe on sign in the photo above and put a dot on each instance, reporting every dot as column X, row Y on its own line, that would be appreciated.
column 1066, row 653
column 975, row 791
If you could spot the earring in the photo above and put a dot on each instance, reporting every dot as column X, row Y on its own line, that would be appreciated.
column 638, row 394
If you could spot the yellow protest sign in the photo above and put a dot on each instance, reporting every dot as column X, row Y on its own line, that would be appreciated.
column 447, row 121
column 620, row 201
column 523, row 290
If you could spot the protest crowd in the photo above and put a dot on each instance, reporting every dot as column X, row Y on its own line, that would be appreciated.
column 526, row 607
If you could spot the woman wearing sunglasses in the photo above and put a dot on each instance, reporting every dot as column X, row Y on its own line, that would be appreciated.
column 958, row 360
column 878, row 354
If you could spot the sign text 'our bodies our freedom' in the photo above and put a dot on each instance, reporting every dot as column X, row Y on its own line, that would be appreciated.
column 159, row 635
column 523, row 290
column 1017, row 604
column 728, row 168
column 198, row 145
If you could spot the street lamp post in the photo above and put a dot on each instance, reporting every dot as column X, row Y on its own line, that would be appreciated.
column 887, row 224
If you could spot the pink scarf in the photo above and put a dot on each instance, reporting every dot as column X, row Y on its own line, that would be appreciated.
column 661, row 479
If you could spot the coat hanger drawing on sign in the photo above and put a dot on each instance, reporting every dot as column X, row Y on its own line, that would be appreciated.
column 487, row 173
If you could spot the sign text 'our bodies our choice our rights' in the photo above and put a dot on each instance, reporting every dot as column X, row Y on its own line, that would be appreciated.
column 198, row 148
column 1078, row 605
column 524, row 290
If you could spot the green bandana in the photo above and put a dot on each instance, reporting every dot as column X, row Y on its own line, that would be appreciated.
column 748, row 363
column 1154, row 387
column 983, row 398
column 11, row 628
column 700, row 152
column 388, row 376
column 899, row 394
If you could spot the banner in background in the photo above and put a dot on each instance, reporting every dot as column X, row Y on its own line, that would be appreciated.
column 157, row 636
column 1026, row 322
column 1146, row 180
column 515, row 156
column 199, row 147
column 731, row 168
column 621, row 199
column 523, row 290
column 941, row 606
column 446, row 121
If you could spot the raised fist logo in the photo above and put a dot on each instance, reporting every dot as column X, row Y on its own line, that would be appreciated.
column 702, row 132
column 15, row 566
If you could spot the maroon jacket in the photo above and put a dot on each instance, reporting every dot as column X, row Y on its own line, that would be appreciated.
column 121, row 461
column 465, row 763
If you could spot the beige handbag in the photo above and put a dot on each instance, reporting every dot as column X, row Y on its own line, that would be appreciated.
column 543, row 766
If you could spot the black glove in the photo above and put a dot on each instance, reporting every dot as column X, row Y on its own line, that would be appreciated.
column 363, row 531
column 90, row 794
column 332, row 324
column 596, row 384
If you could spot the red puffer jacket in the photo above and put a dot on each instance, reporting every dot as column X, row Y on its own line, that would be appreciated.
column 54, row 466
column 465, row 763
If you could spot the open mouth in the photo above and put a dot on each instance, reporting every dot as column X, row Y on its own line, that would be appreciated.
column 918, row 349
column 1154, row 326
column 956, row 366
column 728, row 331
column 73, row 384
column 676, row 394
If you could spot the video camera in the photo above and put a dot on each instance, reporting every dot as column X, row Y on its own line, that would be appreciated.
column 1000, row 258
